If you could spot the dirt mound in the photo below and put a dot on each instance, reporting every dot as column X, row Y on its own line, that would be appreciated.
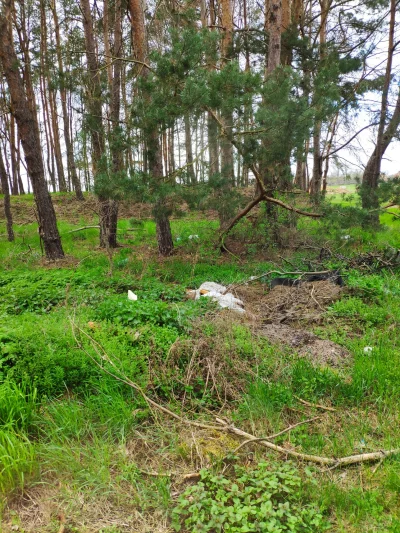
column 304, row 303
column 306, row 344
column 300, row 306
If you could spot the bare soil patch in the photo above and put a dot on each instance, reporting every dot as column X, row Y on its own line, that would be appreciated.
column 305, row 303
column 283, row 313
column 306, row 344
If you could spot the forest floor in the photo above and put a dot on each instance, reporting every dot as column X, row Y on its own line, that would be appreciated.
column 83, row 450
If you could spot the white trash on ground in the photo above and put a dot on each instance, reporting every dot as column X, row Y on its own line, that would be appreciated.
column 132, row 296
column 218, row 293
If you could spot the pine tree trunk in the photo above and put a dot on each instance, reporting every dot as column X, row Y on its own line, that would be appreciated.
column 317, row 166
column 189, row 151
column 227, row 169
column 274, row 28
column 153, row 156
column 160, row 211
column 107, row 207
column 273, row 25
column 13, row 151
column 21, row 185
column 63, row 94
column 115, row 109
column 62, row 184
column 370, row 179
column 171, row 148
column 7, row 204
column 45, row 106
column 30, row 137
column 163, row 230
column 212, row 132
column 212, row 128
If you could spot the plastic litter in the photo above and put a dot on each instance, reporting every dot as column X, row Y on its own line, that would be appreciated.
column 218, row 294
column 132, row 296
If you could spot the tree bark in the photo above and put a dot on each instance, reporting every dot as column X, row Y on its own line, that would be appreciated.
column 13, row 151
column 62, row 184
column 115, row 109
column 30, row 137
column 317, row 162
column 372, row 171
column 317, row 155
column 189, row 151
column 160, row 211
column 274, row 28
column 212, row 128
column 108, row 213
column 151, row 138
column 227, row 168
column 63, row 94
column 7, row 204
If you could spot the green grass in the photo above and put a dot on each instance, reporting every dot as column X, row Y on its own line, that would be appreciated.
column 70, row 428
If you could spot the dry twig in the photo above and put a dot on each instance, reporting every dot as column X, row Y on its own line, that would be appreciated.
column 286, row 430
column 224, row 425
column 316, row 405
column 327, row 461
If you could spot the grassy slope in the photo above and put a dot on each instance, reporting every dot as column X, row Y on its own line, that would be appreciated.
column 80, row 442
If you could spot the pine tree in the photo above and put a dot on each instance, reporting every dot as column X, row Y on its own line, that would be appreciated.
column 28, row 127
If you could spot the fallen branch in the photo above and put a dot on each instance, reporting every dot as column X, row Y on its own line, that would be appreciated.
column 316, row 405
column 124, row 379
column 395, row 215
column 224, row 425
column 257, row 174
column 83, row 228
column 327, row 461
column 192, row 476
column 276, row 434
column 239, row 216
column 255, row 278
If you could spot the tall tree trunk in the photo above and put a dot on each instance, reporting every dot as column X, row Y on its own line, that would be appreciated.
column 212, row 128
column 317, row 155
column 189, row 151
column 62, row 184
column 171, row 148
column 317, row 162
column 151, row 140
column 274, row 28
column 328, row 148
column 227, row 169
column 19, row 164
column 43, row 80
column 96, row 125
column 63, row 94
column 30, row 137
column 372, row 171
column 13, row 152
column 7, row 204
column 115, row 109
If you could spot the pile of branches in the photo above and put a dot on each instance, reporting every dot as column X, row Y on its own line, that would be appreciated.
column 368, row 261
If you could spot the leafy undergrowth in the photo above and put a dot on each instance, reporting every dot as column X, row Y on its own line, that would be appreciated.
column 77, row 442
